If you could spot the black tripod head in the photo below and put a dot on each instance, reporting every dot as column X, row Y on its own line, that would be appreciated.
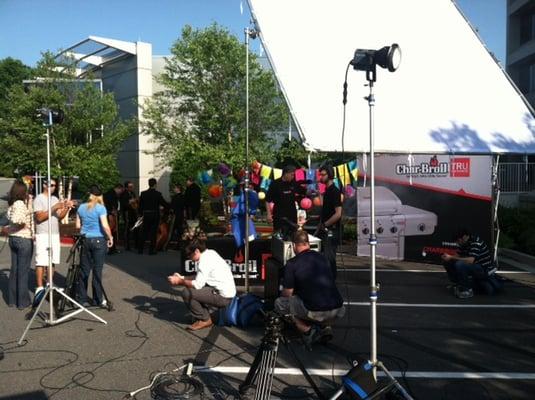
column 77, row 246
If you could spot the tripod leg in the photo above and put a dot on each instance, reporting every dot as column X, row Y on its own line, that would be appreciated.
column 36, row 312
column 250, row 379
column 303, row 369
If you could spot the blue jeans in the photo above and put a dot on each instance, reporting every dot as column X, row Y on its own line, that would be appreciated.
column 465, row 274
column 92, row 259
column 21, row 259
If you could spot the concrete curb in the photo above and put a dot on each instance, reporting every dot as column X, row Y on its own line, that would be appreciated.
column 519, row 260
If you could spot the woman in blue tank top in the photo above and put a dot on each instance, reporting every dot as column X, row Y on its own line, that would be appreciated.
column 92, row 221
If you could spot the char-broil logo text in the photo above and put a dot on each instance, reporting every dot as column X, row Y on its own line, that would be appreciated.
column 460, row 167
column 455, row 168
column 425, row 169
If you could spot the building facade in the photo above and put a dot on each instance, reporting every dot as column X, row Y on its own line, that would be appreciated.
column 521, row 46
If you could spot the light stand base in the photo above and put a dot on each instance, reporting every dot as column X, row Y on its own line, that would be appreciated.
column 53, row 321
column 360, row 383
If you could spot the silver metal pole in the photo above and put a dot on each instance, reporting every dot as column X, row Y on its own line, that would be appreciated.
column 246, row 186
column 373, row 238
column 49, row 224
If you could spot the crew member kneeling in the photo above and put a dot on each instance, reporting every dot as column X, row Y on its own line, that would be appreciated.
column 213, row 285
column 309, row 292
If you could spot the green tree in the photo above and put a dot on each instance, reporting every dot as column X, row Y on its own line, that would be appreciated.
column 198, row 119
column 12, row 73
column 85, row 144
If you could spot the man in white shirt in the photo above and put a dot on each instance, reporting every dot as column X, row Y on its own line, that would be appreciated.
column 59, row 210
column 213, row 285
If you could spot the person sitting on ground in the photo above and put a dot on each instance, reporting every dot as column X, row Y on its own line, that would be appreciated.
column 471, row 264
column 213, row 285
column 309, row 292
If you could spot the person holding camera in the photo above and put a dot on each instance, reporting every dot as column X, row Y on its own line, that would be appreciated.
column 59, row 210
column 92, row 221
column 20, row 231
column 213, row 285
column 309, row 294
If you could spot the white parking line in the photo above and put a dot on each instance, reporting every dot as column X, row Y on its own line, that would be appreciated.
column 424, row 305
column 507, row 272
column 397, row 374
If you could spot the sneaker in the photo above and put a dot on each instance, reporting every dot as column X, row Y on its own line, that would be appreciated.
column 311, row 337
column 325, row 335
column 39, row 293
column 103, row 304
column 465, row 294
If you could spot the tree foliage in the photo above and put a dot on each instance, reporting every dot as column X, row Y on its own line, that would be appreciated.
column 198, row 119
column 12, row 73
column 85, row 144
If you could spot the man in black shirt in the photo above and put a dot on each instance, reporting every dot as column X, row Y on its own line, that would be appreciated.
column 112, row 204
column 150, row 201
column 331, row 212
column 472, row 263
column 282, row 193
column 129, row 204
column 309, row 292
column 192, row 199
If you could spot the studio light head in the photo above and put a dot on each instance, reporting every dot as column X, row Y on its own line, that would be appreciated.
column 388, row 57
column 50, row 116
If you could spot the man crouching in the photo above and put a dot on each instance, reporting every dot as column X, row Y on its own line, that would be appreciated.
column 309, row 292
column 213, row 285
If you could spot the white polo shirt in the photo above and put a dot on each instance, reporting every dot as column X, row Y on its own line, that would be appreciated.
column 214, row 271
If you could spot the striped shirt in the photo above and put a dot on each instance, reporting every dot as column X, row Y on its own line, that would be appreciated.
column 477, row 248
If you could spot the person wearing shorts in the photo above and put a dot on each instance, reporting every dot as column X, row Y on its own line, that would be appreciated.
column 58, row 211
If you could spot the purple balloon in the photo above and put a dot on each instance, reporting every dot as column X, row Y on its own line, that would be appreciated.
column 223, row 169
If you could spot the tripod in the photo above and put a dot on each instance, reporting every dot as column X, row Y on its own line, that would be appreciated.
column 74, row 275
column 52, row 116
column 259, row 379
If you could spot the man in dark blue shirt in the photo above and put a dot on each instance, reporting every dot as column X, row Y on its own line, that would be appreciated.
column 309, row 292
column 472, row 263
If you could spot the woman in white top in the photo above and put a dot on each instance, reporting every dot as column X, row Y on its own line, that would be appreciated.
column 20, row 231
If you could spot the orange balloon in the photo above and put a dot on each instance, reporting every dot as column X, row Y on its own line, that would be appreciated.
column 214, row 191
column 317, row 201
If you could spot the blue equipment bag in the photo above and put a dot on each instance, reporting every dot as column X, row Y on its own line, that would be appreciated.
column 248, row 307
column 240, row 311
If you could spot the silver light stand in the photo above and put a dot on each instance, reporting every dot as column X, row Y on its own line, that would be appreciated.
column 51, row 288
column 249, row 33
column 367, row 60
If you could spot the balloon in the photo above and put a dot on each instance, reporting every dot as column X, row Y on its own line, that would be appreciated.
column 261, row 195
column 306, row 203
column 317, row 201
column 270, row 205
column 223, row 169
column 214, row 191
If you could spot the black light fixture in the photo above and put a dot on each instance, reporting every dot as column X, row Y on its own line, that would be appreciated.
column 388, row 57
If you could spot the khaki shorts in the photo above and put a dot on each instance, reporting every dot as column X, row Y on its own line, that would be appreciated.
column 294, row 306
column 41, row 252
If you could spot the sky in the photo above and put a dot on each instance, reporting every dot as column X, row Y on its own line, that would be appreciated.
column 28, row 27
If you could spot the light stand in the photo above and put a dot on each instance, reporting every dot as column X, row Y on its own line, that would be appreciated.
column 51, row 117
column 367, row 60
column 249, row 33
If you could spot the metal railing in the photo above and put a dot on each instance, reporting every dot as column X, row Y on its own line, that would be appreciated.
column 516, row 177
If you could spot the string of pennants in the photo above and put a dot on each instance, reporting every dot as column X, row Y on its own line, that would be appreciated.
column 346, row 176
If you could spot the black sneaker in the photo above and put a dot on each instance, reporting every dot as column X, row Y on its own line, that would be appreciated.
column 465, row 294
column 311, row 337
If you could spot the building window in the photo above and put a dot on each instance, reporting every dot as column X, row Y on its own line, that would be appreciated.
column 526, row 78
column 527, row 27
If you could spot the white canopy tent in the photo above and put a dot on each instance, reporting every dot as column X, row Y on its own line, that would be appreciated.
column 448, row 96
